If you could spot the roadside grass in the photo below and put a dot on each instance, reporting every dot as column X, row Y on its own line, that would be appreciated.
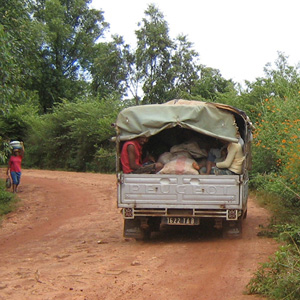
column 8, row 201
column 282, row 212
column 279, row 277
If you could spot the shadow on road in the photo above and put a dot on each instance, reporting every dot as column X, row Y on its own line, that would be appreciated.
column 177, row 233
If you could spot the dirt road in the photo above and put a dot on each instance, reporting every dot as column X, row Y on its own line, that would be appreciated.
column 65, row 242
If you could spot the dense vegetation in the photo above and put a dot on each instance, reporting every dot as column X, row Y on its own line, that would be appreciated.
column 63, row 83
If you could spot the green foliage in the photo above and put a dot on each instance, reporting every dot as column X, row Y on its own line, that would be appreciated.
column 283, row 211
column 70, row 30
column 275, row 174
column 9, row 70
column 105, row 160
column 165, row 68
column 279, row 277
column 52, row 50
column 109, row 68
column 185, row 66
column 276, row 148
column 5, row 150
column 211, row 85
column 70, row 137
column 289, row 233
column 153, row 56
column 17, row 48
column 282, row 82
column 7, row 200
column 15, row 120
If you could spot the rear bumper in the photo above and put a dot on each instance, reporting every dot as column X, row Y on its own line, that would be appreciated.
column 228, row 214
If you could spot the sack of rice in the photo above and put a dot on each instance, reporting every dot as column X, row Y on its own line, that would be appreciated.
column 165, row 158
column 180, row 166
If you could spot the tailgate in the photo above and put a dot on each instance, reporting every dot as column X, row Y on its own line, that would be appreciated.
column 179, row 191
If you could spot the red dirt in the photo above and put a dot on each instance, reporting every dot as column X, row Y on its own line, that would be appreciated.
column 65, row 242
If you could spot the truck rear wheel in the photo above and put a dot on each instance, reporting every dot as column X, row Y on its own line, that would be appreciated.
column 145, row 236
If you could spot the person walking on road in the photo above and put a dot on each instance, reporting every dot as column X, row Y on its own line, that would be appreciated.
column 14, row 167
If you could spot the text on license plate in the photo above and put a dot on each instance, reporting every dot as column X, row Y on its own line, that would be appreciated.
column 182, row 221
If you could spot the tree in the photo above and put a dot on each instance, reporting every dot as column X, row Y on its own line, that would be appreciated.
column 153, row 56
column 185, row 65
column 281, row 81
column 17, row 44
column 284, row 80
column 134, row 75
column 109, row 68
column 210, row 84
column 70, row 29
column 17, row 48
column 165, row 69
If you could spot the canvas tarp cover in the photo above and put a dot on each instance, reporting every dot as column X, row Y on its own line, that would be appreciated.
column 202, row 117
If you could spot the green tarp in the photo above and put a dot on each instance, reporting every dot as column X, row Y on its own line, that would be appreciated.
column 202, row 117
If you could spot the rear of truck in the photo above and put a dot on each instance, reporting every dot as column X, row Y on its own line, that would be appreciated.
column 149, row 201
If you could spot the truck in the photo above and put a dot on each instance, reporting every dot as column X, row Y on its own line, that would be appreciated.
column 150, row 201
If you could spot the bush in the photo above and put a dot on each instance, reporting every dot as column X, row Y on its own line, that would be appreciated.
column 7, row 200
column 5, row 150
column 276, row 155
column 14, row 123
column 105, row 160
column 15, row 120
column 279, row 277
column 72, row 135
column 276, row 177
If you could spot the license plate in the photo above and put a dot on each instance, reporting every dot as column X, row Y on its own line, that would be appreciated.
column 181, row 221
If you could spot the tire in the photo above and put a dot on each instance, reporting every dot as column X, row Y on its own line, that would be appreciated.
column 146, row 234
column 154, row 224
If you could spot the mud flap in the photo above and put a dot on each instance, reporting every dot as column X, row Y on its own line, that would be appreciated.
column 132, row 229
column 232, row 229
column 137, row 228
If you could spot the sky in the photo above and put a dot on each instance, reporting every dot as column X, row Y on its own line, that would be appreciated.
column 237, row 37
